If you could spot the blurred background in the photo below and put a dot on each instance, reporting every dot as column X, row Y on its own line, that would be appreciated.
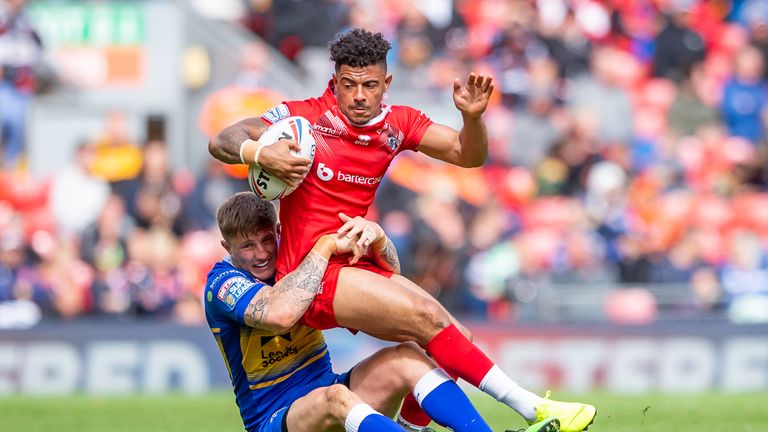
column 615, row 239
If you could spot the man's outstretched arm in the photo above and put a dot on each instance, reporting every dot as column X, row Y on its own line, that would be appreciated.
column 469, row 147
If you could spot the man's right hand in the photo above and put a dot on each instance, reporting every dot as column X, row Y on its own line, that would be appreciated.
column 276, row 159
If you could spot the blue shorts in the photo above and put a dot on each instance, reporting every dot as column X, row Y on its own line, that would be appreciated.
column 277, row 420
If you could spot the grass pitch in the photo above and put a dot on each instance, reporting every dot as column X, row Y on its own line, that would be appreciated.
column 217, row 412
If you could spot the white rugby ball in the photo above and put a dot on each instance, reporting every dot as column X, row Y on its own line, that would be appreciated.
column 296, row 128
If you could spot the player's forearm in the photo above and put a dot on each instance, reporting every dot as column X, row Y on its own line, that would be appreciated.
column 225, row 146
column 474, row 142
column 385, row 255
column 279, row 307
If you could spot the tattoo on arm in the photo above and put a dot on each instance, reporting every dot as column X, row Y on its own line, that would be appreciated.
column 388, row 255
column 294, row 292
column 254, row 313
column 226, row 145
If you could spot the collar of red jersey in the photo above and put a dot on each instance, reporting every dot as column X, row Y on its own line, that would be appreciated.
column 376, row 121
column 379, row 118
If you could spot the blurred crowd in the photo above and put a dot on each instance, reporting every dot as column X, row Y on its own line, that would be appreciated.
column 628, row 154
column 116, row 233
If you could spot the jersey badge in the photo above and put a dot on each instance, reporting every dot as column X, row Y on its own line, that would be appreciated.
column 392, row 142
column 277, row 113
column 232, row 289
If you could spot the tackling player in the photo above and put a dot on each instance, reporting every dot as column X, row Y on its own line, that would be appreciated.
column 357, row 138
column 281, row 371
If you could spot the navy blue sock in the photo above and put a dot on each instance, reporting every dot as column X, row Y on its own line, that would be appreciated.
column 450, row 407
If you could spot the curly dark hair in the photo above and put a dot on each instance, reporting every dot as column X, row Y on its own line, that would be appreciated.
column 359, row 48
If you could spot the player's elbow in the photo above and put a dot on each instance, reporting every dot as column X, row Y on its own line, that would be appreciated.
column 281, row 320
column 472, row 161
column 468, row 155
column 212, row 147
column 475, row 162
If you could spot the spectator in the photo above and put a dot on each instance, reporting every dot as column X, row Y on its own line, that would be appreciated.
column 568, row 45
column 439, row 236
column 12, row 258
column 678, row 45
column 745, row 279
column 744, row 97
column 694, row 105
column 680, row 264
column 600, row 97
column 116, row 157
column 154, row 282
column 211, row 189
column 20, row 55
column 534, row 131
column 77, row 196
column 104, row 246
column 151, row 198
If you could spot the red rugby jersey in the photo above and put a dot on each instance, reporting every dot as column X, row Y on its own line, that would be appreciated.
column 349, row 164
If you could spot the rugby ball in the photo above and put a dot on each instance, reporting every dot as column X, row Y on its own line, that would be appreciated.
column 297, row 128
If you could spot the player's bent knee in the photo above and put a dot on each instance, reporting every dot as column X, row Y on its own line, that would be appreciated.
column 339, row 397
column 430, row 319
column 405, row 363
column 410, row 351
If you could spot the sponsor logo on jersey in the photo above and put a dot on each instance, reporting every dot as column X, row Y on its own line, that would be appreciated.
column 357, row 179
column 278, row 352
column 274, row 114
column 325, row 173
column 232, row 289
column 363, row 140
column 327, row 131
column 272, row 357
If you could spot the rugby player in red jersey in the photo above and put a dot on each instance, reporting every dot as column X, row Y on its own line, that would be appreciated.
column 357, row 137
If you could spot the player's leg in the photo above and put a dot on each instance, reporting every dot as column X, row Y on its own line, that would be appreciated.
column 411, row 286
column 382, row 379
column 411, row 416
column 574, row 417
column 335, row 408
column 381, row 306
column 398, row 312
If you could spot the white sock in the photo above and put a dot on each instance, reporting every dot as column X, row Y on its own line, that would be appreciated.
column 406, row 424
column 356, row 415
column 497, row 384
column 430, row 381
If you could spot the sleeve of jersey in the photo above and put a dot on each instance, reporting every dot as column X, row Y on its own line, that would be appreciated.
column 232, row 296
column 415, row 125
column 310, row 109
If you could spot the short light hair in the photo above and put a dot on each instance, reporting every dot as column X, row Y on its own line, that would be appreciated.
column 245, row 213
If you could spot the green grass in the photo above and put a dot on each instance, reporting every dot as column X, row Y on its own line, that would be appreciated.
column 709, row 412
column 217, row 412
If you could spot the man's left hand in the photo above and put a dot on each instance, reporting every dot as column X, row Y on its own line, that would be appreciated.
column 472, row 97
column 364, row 230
